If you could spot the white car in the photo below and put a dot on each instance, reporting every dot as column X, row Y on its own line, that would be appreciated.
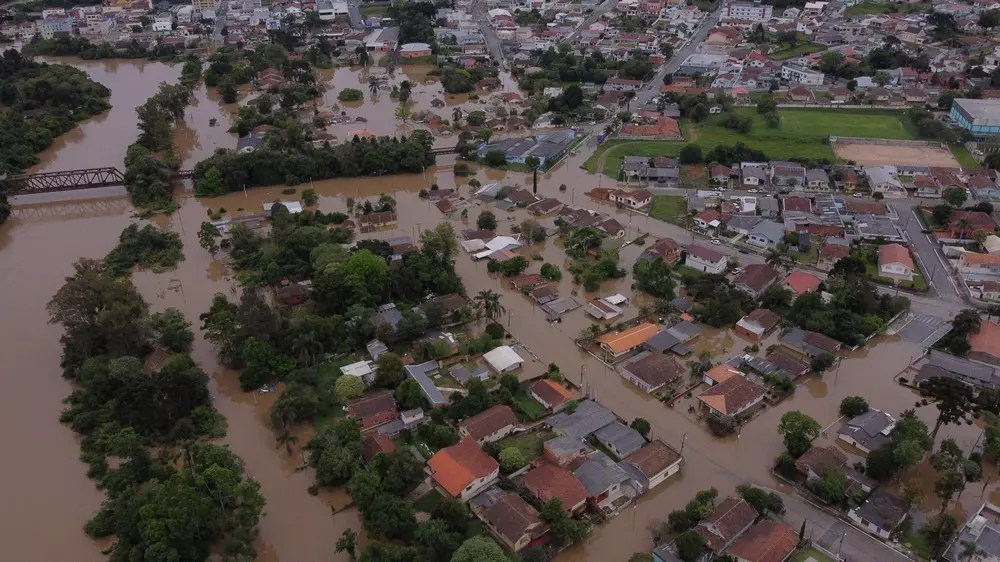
column 858, row 195
column 753, row 191
column 737, row 270
column 716, row 242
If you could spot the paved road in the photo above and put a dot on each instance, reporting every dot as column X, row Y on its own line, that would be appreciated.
column 928, row 253
column 479, row 10
column 835, row 535
column 355, row 13
column 653, row 89
column 220, row 22
column 593, row 17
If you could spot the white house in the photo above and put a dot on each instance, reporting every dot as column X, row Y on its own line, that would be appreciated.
column 801, row 75
column 882, row 179
column 880, row 515
column 365, row 370
column 705, row 260
column 651, row 465
column 163, row 22
column 634, row 199
column 894, row 262
column 503, row 359
column 602, row 309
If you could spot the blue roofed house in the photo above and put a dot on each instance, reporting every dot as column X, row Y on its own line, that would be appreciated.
column 608, row 485
column 422, row 373
column 766, row 234
column 869, row 431
column 619, row 439
column 588, row 417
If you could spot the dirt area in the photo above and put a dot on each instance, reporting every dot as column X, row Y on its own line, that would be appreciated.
column 878, row 155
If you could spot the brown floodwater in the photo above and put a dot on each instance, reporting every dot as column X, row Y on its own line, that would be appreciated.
column 52, row 496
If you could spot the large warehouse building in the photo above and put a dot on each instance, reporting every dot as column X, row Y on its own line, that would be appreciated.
column 979, row 117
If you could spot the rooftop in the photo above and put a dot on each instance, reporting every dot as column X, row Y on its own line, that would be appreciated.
column 598, row 473
column 883, row 509
column 732, row 396
column 490, row 421
column 655, row 369
column 653, row 458
column 371, row 405
column 984, row 112
column 767, row 541
column 987, row 339
column 548, row 480
column 588, row 417
column 801, row 282
column 512, row 517
column 551, row 392
column 455, row 467
column 618, row 342
column 730, row 517
column 622, row 438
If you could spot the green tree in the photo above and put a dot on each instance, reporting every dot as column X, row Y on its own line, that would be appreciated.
column 797, row 430
column 479, row 549
column 487, row 302
column 642, row 426
column 435, row 540
column 821, row 362
column 551, row 272
column 511, row 459
column 655, row 277
column 939, row 532
column 563, row 529
column 495, row 158
column 953, row 399
column 853, row 406
column 690, row 546
column 949, row 484
column 832, row 486
column 211, row 183
column 764, row 502
column 347, row 542
column 207, row 237
column 532, row 162
column 690, row 154
column 349, row 388
column 954, row 196
column 389, row 371
column 486, row 221
column 173, row 331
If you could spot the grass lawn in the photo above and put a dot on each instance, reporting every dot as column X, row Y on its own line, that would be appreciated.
column 668, row 208
column 964, row 158
column 807, row 553
column 530, row 444
column 694, row 176
column 869, row 7
column 428, row 501
column 803, row 133
column 368, row 11
column 787, row 51
column 528, row 406
column 918, row 282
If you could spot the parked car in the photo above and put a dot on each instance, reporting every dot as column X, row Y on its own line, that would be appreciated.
column 716, row 242
column 859, row 195
column 925, row 231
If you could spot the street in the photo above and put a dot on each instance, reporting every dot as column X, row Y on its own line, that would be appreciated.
column 929, row 256
column 653, row 88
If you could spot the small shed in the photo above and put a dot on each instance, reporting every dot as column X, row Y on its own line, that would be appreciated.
column 503, row 359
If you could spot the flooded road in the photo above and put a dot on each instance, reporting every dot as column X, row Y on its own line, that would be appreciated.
column 38, row 245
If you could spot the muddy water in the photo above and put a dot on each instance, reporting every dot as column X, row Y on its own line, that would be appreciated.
column 297, row 526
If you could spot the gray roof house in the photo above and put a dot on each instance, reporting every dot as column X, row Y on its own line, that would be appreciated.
column 463, row 375
column 880, row 514
column 684, row 330
column 376, row 348
column 588, row 418
column 601, row 476
column 869, row 431
column 665, row 341
column 422, row 373
column 788, row 174
column 810, row 343
column 388, row 314
column 249, row 143
column 769, row 207
column 742, row 224
column 619, row 439
column 981, row 529
column 977, row 375
column 766, row 234
column 817, row 180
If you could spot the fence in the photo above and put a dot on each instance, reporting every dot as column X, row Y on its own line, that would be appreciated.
column 889, row 142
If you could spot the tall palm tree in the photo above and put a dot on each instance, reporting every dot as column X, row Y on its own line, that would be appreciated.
column 963, row 224
column 456, row 115
column 287, row 439
column 308, row 346
column 488, row 304
column 373, row 85
column 362, row 54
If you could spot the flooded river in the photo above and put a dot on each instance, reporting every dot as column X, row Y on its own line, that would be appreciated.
column 47, row 493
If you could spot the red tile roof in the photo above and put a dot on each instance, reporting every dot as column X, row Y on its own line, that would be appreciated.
column 375, row 443
column 757, row 276
column 551, row 392
column 894, row 253
column 732, row 395
column 987, row 339
column 513, row 517
column 767, row 541
column 489, row 422
column 653, row 458
column 819, row 459
column 764, row 318
column 549, row 481
column 801, row 282
column 371, row 405
column 727, row 520
column 457, row 466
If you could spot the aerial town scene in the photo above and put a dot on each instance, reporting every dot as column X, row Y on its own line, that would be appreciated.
column 500, row 280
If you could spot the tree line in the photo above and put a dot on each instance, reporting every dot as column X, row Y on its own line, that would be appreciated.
column 149, row 418
column 85, row 49
column 39, row 102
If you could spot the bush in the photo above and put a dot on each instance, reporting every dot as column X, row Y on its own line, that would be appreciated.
column 495, row 158
column 512, row 459
column 462, row 169
column 349, row 388
column 551, row 272
column 721, row 426
column 495, row 331
column 853, row 406
column 309, row 197
column 351, row 94
column 486, row 221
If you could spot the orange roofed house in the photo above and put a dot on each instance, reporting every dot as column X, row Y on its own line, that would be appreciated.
column 617, row 344
column 733, row 396
column 549, row 481
column 985, row 344
column 767, row 541
column 551, row 394
column 801, row 282
column 894, row 262
column 463, row 470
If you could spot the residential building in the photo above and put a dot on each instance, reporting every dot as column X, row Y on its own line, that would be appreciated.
column 766, row 234
column 981, row 529
column 882, row 179
column 607, row 483
column 364, row 370
column 705, row 259
column 408, row 420
column 742, row 224
column 720, row 374
column 881, row 514
column 513, row 521
column 463, row 470
column 551, row 394
column 801, row 75
column 868, row 431
column 548, row 481
column 810, row 344
column 767, row 541
column 981, row 117
column 414, row 50
column 375, row 443
column 203, row 5
column 618, row 344
column 503, row 359
column 666, row 248
column 588, row 417
column 894, row 262
column 373, row 410
column 984, row 345
column 422, row 374
column 732, row 397
column 754, row 11
column 973, row 373
column 490, row 425
column 801, row 282
column 633, row 199
column 547, row 147
column 982, row 264
column 651, row 465
column 788, row 174
column 963, row 224
column 815, row 462
column 709, row 218
column 757, row 324
column 817, row 180
column 728, row 521
column 620, row 439
column 563, row 450
column 755, row 278
column 602, row 309
column 652, row 371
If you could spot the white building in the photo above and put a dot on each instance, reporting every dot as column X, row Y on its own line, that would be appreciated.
column 364, row 370
column 801, row 75
column 330, row 10
column 882, row 179
column 163, row 22
column 753, row 11
column 705, row 259
column 503, row 359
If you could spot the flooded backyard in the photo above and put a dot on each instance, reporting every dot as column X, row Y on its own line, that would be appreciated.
column 49, row 494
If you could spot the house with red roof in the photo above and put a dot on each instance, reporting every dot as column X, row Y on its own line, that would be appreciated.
column 732, row 397
column 894, row 262
column 801, row 282
column 547, row 481
column 767, row 541
column 964, row 223
column 490, row 425
column 373, row 410
column 463, row 470
column 727, row 522
column 551, row 394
